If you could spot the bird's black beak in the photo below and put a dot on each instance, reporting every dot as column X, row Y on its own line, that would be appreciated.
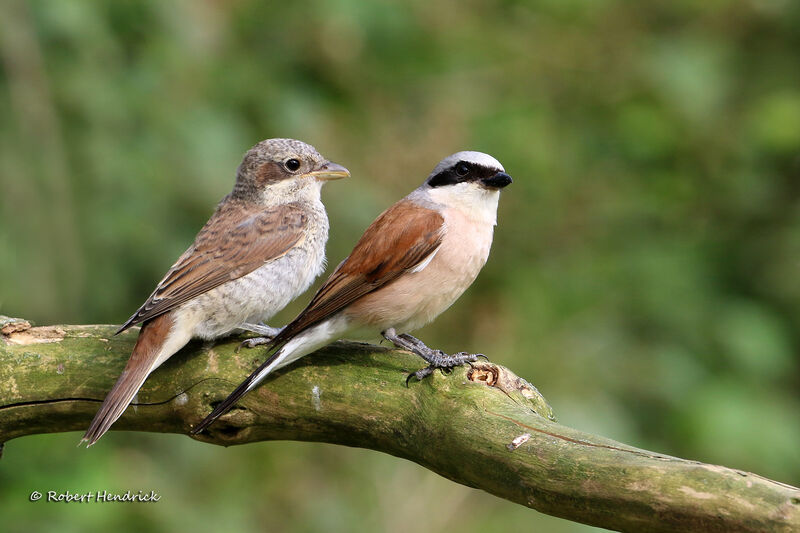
column 498, row 181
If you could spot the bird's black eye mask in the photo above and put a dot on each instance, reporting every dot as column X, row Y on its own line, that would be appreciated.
column 461, row 172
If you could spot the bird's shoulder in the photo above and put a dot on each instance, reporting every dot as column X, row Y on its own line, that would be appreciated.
column 396, row 239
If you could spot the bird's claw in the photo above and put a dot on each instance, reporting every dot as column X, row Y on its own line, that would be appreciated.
column 445, row 363
column 420, row 374
column 470, row 358
column 434, row 358
column 252, row 343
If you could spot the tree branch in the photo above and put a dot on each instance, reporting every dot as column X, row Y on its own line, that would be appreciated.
column 482, row 427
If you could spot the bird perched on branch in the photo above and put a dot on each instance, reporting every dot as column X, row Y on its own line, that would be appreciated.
column 410, row 265
column 262, row 247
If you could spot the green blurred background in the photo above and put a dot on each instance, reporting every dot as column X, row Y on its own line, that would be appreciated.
column 644, row 273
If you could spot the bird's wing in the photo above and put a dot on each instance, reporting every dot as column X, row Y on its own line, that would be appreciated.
column 399, row 240
column 233, row 243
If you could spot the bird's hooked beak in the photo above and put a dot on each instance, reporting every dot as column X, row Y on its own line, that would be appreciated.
column 498, row 181
column 329, row 171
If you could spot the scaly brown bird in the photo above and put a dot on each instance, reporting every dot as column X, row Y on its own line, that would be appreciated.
column 262, row 247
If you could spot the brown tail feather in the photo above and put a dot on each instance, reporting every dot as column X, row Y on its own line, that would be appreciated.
column 141, row 363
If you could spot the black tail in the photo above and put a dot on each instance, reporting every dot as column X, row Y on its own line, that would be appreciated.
column 252, row 380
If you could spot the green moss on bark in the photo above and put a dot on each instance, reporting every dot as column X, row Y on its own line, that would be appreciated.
column 482, row 427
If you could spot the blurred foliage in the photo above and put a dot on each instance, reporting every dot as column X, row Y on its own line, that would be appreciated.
column 645, row 267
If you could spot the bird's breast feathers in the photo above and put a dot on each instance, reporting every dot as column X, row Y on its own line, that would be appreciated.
column 434, row 284
column 260, row 294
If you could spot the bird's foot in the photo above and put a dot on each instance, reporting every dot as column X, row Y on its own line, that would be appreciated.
column 443, row 362
column 434, row 358
column 267, row 334
column 252, row 343
column 261, row 328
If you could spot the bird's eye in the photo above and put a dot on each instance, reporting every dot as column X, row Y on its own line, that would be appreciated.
column 462, row 169
column 292, row 165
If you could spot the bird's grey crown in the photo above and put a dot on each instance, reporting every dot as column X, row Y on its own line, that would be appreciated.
column 478, row 158
column 278, row 150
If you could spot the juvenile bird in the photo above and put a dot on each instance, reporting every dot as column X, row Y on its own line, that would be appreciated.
column 262, row 247
column 410, row 265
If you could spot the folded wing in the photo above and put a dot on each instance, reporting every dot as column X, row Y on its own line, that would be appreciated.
column 401, row 238
column 220, row 254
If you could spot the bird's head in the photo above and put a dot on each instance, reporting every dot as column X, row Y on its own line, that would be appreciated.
column 280, row 168
column 469, row 181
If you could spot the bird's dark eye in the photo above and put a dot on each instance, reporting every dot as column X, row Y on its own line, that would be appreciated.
column 292, row 165
column 462, row 169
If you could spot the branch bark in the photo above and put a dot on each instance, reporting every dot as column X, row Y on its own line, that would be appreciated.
column 483, row 427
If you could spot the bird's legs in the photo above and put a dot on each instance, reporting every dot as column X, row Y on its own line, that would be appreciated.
column 261, row 328
column 267, row 334
column 435, row 358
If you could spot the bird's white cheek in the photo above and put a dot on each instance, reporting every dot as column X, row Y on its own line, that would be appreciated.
column 475, row 202
column 293, row 190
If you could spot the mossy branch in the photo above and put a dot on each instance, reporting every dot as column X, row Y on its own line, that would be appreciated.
column 482, row 427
